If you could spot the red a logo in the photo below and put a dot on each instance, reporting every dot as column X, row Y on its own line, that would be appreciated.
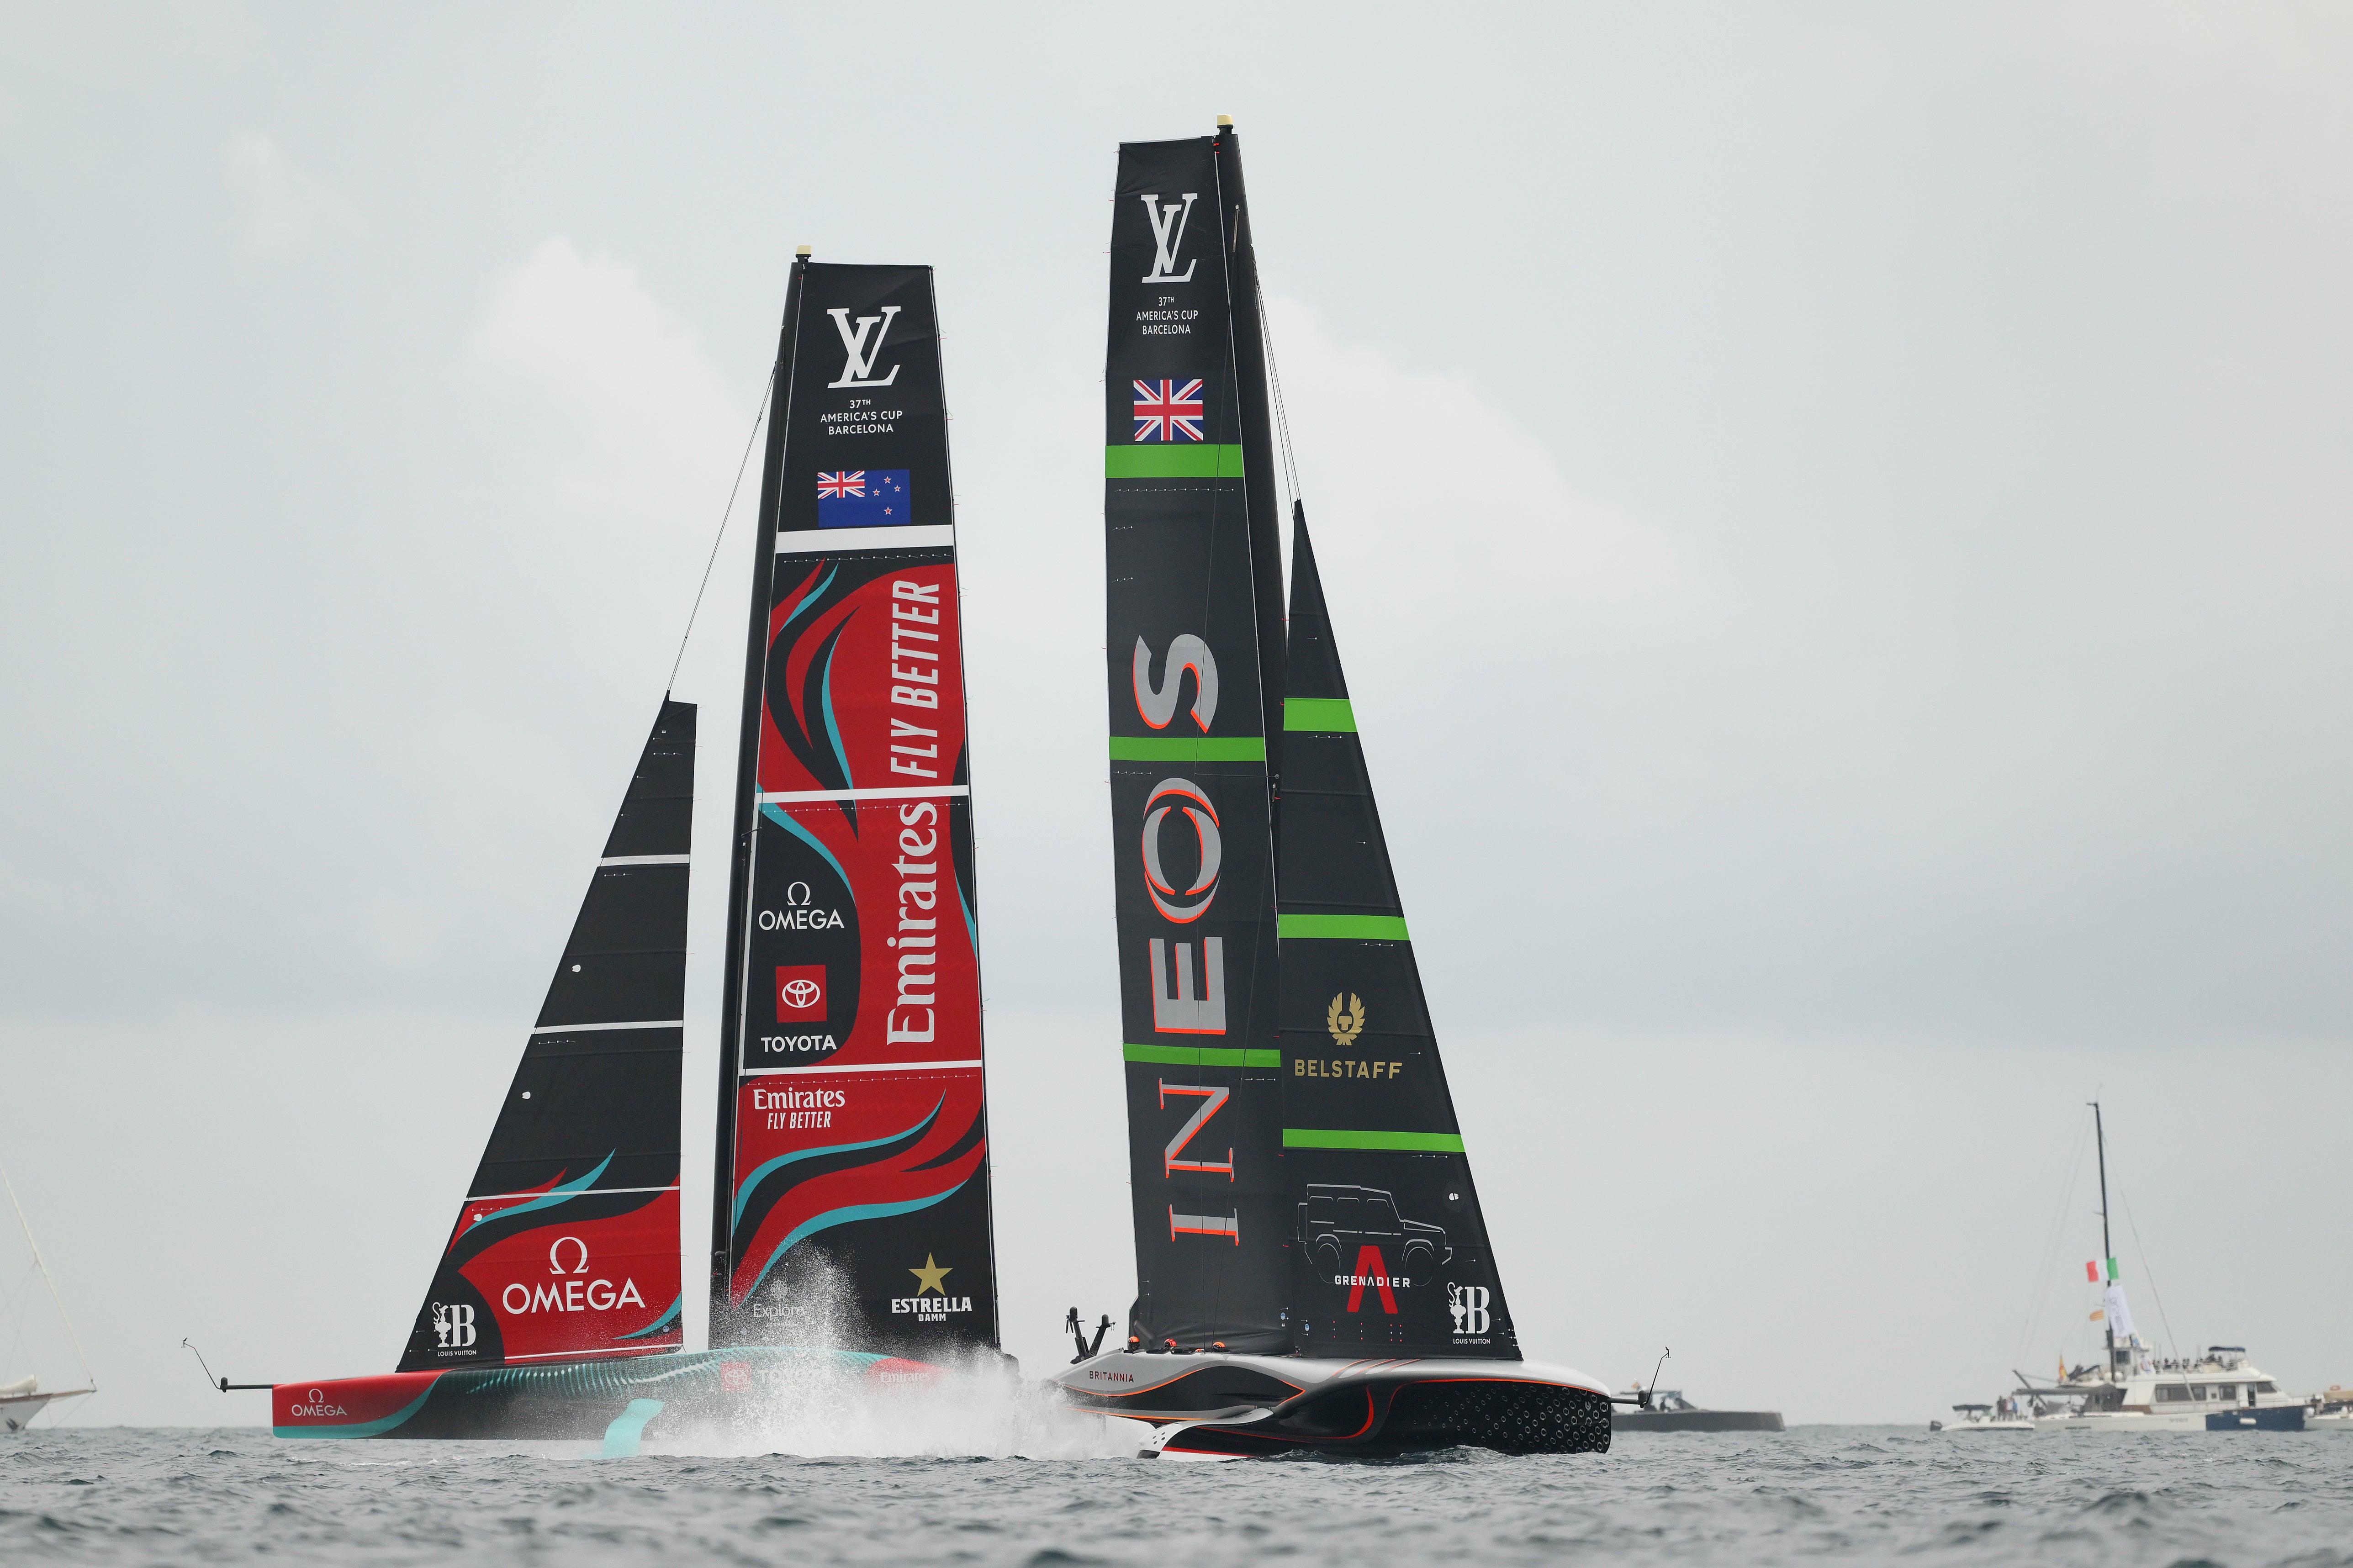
column 1370, row 1270
column 800, row 992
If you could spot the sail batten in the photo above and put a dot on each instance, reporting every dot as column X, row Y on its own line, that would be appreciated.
column 852, row 1200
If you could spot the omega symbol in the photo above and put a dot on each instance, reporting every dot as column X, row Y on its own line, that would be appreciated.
column 555, row 1255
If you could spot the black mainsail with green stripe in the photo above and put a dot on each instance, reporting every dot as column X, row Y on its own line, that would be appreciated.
column 1191, row 806
column 1389, row 1250
column 1297, row 1175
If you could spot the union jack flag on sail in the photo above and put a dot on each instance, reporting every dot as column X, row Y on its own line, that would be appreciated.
column 839, row 486
column 1166, row 412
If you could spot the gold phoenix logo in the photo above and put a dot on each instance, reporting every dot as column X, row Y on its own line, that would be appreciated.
column 1345, row 1023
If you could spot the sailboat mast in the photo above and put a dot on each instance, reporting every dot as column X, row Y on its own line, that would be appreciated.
column 2107, row 1249
column 747, row 755
column 1245, row 330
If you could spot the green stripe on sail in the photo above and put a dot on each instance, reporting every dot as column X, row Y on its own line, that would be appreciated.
column 1188, row 748
column 1202, row 1055
column 1416, row 1142
column 1190, row 460
column 1360, row 927
column 1331, row 715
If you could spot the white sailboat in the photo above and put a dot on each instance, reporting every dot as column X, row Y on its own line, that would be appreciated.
column 2132, row 1389
column 24, row 1399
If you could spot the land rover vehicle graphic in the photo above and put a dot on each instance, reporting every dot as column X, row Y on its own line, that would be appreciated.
column 1334, row 1222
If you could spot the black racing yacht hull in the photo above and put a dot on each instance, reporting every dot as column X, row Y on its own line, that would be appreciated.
column 1214, row 1405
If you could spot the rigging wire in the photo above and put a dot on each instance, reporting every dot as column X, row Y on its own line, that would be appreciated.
column 27, row 1228
column 733, row 490
column 1281, row 414
column 2050, row 1251
column 2172, row 1346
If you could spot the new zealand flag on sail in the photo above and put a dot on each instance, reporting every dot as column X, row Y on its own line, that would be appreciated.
column 863, row 498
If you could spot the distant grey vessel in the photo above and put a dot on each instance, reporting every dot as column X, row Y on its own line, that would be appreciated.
column 1669, row 1411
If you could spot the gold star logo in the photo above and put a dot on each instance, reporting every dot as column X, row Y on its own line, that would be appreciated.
column 931, row 1276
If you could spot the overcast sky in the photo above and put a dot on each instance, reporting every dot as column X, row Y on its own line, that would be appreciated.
column 1836, row 517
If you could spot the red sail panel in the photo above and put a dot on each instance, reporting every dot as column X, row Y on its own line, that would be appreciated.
column 854, row 1205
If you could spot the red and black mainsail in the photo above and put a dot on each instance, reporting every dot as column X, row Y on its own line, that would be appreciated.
column 567, row 1244
column 852, row 1194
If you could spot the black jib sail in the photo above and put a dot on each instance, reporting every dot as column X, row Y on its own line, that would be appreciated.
column 1191, row 574
column 1389, row 1249
column 568, row 1243
column 853, row 1197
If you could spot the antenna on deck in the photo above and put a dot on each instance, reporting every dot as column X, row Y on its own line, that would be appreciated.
column 1664, row 1352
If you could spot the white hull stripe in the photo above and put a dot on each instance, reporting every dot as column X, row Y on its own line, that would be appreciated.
column 834, row 541
column 591, row 1028
column 912, row 792
column 862, row 1067
column 590, row 1192
column 643, row 860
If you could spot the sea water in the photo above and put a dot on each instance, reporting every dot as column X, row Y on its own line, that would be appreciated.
column 1070, row 1492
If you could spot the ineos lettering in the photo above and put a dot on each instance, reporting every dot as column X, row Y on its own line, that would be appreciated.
column 1157, row 704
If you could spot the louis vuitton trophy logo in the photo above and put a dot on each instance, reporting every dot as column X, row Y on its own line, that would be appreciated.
column 1163, row 242
column 857, row 367
column 453, row 1325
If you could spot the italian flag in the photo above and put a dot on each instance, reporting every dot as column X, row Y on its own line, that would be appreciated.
column 2092, row 1271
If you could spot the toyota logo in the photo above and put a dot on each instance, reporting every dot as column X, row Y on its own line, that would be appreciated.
column 801, row 993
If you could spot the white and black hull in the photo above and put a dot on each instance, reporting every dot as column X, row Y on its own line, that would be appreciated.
column 1211, row 1405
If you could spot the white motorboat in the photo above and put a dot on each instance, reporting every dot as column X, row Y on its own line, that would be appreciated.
column 2219, row 1390
column 2003, row 1414
column 2330, row 1412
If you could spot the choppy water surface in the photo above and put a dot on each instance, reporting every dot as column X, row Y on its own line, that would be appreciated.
column 1816, row 1494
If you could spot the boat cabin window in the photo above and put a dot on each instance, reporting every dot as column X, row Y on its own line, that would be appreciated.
column 2172, row 1392
column 2226, row 1391
column 2196, row 1391
column 2267, row 1386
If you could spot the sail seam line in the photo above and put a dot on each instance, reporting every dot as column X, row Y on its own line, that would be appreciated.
column 643, row 860
column 909, row 792
column 587, row 1028
column 860, row 1067
column 587, row 1192
column 820, row 540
